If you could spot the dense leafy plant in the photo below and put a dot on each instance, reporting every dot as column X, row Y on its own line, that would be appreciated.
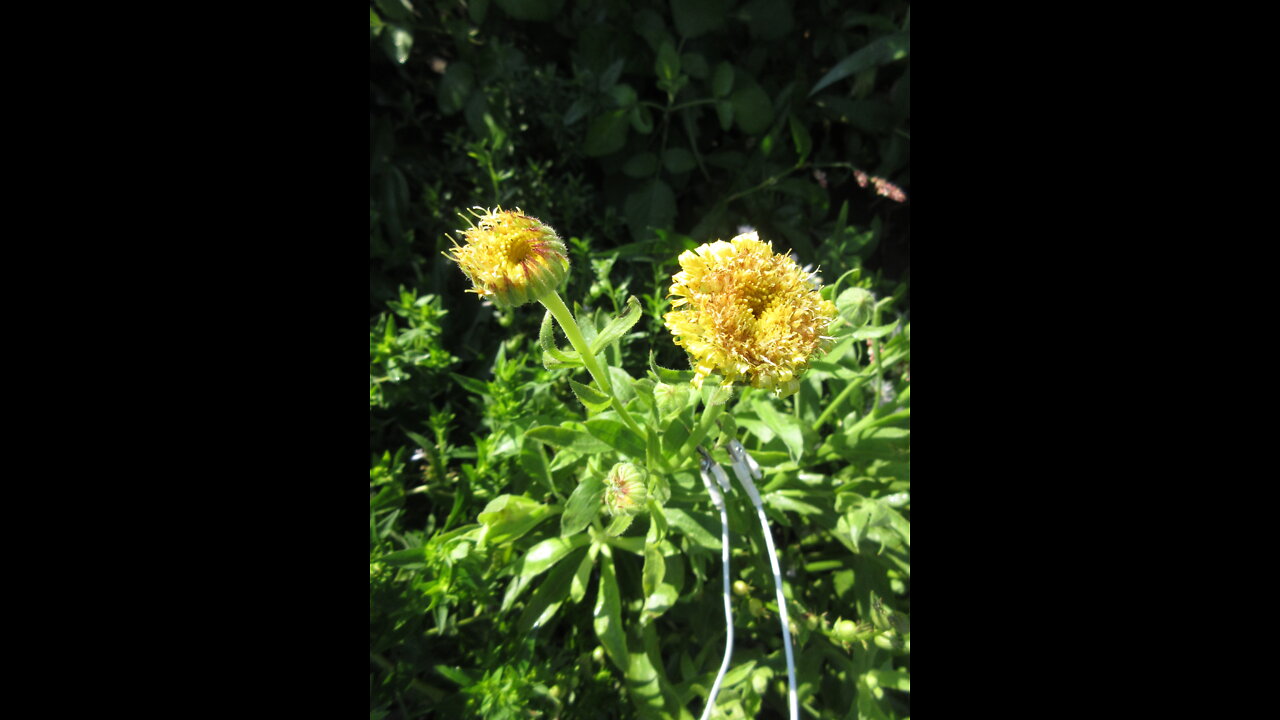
column 541, row 538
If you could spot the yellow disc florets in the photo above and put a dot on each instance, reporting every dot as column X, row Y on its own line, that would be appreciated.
column 747, row 313
column 510, row 257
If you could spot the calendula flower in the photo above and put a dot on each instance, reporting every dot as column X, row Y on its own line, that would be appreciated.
column 748, row 313
column 625, row 490
column 510, row 257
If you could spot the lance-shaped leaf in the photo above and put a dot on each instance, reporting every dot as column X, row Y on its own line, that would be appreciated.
column 539, row 559
column 550, row 595
column 607, row 616
column 593, row 399
column 552, row 356
column 507, row 517
column 618, row 326
column 582, row 507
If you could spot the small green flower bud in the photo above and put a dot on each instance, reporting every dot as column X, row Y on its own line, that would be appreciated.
column 624, row 489
column 598, row 654
column 846, row 631
column 889, row 640
column 741, row 589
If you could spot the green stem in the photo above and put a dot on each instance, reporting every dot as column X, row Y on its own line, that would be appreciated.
column 562, row 315
column 710, row 413
column 831, row 408
column 875, row 345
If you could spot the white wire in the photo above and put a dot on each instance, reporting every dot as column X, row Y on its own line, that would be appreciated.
column 716, row 498
column 741, row 462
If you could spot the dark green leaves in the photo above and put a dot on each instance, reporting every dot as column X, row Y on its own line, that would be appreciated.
column 752, row 109
column 531, row 9
column 455, row 87
column 722, row 81
column 695, row 18
column 653, row 205
column 880, row 52
column 606, row 134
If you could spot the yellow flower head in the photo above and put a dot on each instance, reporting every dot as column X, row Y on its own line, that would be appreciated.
column 747, row 313
column 510, row 257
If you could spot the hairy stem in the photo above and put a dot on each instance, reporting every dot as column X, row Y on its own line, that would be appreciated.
column 562, row 315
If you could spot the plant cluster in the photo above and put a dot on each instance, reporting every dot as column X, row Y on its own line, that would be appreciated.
column 620, row 442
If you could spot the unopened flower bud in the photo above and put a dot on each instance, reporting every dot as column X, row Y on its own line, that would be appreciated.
column 624, row 489
column 511, row 258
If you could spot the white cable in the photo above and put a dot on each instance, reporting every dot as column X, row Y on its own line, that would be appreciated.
column 744, row 466
column 708, row 467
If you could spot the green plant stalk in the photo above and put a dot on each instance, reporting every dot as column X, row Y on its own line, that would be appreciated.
column 831, row 407
column 875, row 348
column 710, row 413
column 561, row 313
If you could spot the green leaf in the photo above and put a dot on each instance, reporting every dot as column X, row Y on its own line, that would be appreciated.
column 552, row 356
column 375, row 22
column 455, row 675
column 768, row 19
column 550, row 595
column 567, row 436
column 693, row 19
column 652, row 206
column 540, row 558
column 894, row 679
column 678, row 160
column 800, row 137
column 507, row 517
column 471, row 385
column 786, row 502
column 641, row 119
column 695, row 65
column 395, row 10
column 724, row 111
column 606, row 134
column 692, row 528
column 662, row 599
column 752, row 109
column 655, row 568
column 617, row 326
column 593, row 399
column 540, row 10
column 582, row 507
column 455, row 87
column 786, row 427
column 668, row 376
column 722, row 81
column 617, row 436
column 534, row 463
column 607, row 616
column 641, row 165
column 401, row 558
column 624, row 95
column 618, row 525
column 582, row 576
column 667, row 65
column 873, row 332
column 882, row 51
